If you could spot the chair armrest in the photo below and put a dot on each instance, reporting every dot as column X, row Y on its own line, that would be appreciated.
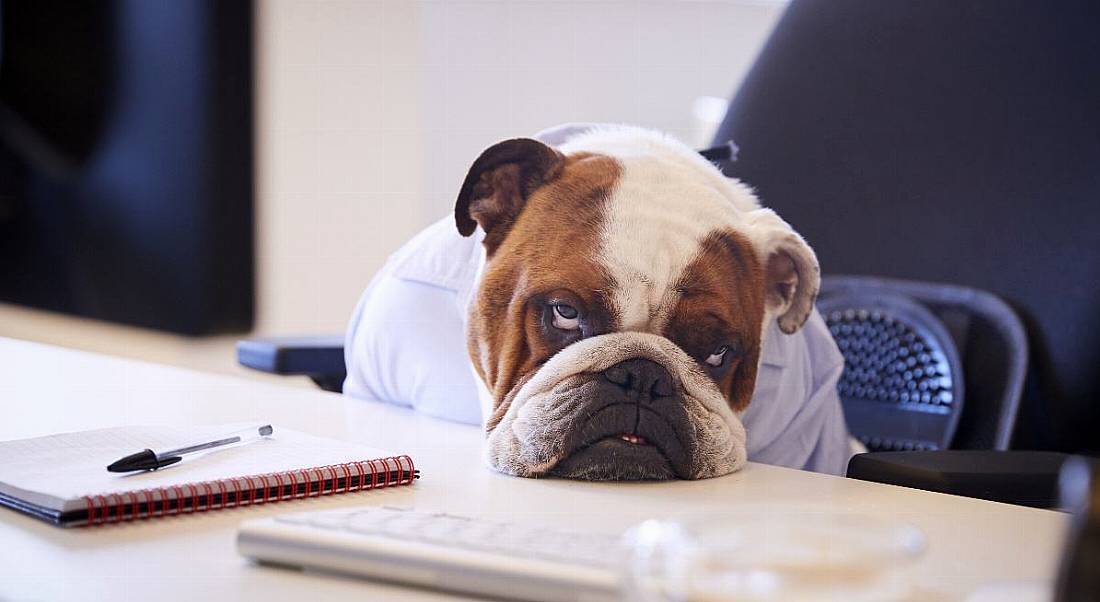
column 1026, row 478
column 320, row 358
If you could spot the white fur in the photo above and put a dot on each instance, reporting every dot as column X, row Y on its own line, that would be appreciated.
column 667, row 200
column 625, row 142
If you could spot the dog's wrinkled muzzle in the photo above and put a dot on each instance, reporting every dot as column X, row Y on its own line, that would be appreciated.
column 631, row 424
column 619, row 406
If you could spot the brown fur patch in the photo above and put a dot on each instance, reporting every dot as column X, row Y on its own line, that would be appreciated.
column 549, row 252
column 722, row 303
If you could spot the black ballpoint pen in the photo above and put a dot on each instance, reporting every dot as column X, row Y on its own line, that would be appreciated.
column 148, row 459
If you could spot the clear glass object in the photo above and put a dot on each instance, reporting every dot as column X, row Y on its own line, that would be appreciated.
column 775, row 552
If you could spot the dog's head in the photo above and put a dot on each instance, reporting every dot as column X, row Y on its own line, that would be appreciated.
column 619, row 317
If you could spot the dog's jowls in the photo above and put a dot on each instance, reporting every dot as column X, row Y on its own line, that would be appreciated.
column 569, row 418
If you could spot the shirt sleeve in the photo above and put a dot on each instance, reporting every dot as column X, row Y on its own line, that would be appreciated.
column 833, row 449
column 405, row 345
column 795, row 418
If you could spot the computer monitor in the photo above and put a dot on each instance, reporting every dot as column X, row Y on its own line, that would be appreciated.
column 126, row 161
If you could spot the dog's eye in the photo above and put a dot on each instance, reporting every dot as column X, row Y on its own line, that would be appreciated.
column 566, row 317
column 715, row 359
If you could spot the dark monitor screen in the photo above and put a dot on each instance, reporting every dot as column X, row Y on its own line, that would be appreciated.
column 126, row 162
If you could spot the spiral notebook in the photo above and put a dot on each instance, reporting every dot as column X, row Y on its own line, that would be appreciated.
column 63, row 478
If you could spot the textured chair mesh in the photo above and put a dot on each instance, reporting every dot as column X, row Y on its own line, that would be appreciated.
column 928, row 366
column 902, row 385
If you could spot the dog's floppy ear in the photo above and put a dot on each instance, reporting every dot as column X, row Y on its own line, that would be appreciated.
column 499, row 183
column 791, row 273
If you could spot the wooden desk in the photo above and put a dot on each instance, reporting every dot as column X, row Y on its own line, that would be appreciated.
column 47, row 390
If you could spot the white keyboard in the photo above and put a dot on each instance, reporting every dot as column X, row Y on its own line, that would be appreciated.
column 443, row 551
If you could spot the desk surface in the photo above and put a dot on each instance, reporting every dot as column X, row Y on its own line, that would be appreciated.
column 47, row 390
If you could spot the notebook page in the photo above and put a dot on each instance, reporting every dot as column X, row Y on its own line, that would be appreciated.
column 58, row 470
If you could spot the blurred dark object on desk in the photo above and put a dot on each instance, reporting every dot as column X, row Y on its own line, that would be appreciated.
column 1079, row 575
column 126, row 160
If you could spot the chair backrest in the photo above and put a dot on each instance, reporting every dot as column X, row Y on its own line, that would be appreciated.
column 947, row 142
column 969, row 339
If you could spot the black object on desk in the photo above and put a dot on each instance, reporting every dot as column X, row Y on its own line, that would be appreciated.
column 126, row 161
column 1027, row 478
column 321, row 358
column 1079, row 574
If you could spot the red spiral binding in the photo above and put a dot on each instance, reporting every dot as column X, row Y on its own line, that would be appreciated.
column 200, row 497
column 133, row 502
column 373, row 471
column 251, row 488
column 209, row 496
column 266, row 486
column 178, row 491
column 359, row 473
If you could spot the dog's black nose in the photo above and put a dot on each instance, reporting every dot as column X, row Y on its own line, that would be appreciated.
column 645, row 377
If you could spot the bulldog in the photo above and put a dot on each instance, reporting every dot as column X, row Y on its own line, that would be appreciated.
column 618, row 297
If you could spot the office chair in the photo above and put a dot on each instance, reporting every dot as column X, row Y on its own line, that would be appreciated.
column 930, row 368
column 948, row 142
column 927, row 366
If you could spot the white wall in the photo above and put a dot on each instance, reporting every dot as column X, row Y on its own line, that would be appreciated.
column 369, row 113
column 372, row 111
